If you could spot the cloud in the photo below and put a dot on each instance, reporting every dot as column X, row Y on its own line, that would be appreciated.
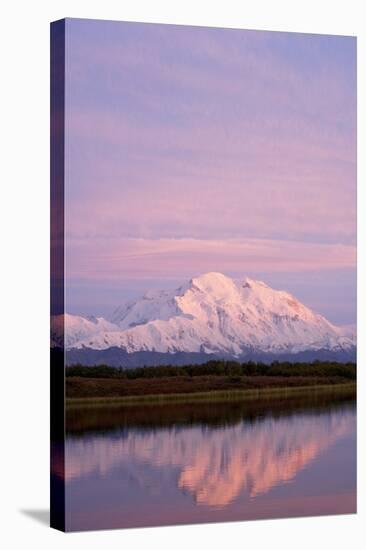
column 196, row 149
column 221, row 134
column 118, row 259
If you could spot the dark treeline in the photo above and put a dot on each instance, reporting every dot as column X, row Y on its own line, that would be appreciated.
column 219, row 368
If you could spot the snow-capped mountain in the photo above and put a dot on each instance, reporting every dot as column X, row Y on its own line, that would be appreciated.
column 211, row 314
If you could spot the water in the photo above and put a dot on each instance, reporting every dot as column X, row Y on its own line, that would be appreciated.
column 175, row 464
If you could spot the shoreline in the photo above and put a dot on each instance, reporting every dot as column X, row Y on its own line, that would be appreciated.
column 346, row 388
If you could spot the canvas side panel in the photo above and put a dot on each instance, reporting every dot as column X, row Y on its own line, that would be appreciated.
column 57, row 488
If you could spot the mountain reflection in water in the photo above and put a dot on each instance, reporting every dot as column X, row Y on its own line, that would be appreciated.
column 213, row 465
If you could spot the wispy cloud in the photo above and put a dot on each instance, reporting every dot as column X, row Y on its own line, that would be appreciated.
column 221, row 134
column 111, row 259
column 192, row 149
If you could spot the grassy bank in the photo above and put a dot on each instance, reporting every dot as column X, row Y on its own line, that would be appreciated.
column 214, row 380
column 336, row 389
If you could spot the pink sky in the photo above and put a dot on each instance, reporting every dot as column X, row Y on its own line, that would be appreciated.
column 191, row 149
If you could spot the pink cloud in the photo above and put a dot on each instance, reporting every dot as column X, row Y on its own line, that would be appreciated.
column 179, row 258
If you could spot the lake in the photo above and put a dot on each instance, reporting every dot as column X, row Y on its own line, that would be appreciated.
column 137, row 466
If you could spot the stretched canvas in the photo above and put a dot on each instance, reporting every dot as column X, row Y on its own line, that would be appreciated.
column 203, row 274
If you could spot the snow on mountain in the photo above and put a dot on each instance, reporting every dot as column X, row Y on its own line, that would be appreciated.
column 77, row 329
column 210, row 314
column 349, row 331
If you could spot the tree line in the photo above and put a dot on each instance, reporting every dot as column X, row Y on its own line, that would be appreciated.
column 219, row 368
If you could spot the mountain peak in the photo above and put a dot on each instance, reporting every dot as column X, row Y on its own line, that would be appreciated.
column 212, row 287
column 213, row 280
column 215, row 314
column 217, row 282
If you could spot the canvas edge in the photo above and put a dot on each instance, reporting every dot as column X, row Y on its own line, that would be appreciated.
column 57, row 302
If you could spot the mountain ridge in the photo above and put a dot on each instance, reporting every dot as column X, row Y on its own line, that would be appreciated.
column 212, row 315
